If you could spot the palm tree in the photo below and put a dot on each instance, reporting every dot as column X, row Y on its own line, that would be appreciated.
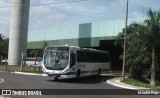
column 153, row 33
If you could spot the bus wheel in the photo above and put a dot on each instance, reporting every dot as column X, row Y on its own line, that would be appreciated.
column 99, row 72
column 55, row 78
column 78, row 74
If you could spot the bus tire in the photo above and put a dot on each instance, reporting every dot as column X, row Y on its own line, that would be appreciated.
column 78, row 74
column 99, row 72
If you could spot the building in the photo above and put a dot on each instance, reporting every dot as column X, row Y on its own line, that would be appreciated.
column 98, row 35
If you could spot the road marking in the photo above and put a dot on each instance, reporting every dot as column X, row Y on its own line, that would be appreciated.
column 25, row 73
column 3, row 96
column 1, row 80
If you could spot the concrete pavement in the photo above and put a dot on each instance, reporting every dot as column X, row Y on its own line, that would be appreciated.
column 115, row 80
column 112, row 81
column 17, row 81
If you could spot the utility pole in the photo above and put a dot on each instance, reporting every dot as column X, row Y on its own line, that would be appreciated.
column 124, row 50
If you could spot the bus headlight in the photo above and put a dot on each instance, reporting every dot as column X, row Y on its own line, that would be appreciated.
column 66, row 71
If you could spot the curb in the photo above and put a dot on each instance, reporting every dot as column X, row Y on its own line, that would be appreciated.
column 123, row 85
column 25, row 73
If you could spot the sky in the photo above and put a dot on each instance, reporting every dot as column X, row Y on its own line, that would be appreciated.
column 59, row 12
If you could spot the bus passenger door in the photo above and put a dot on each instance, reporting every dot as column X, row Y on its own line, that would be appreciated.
column 72, row 59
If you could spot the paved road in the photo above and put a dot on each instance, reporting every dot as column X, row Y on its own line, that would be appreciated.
column 17, row 81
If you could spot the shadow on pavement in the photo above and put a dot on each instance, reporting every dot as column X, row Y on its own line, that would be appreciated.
column 86, row 80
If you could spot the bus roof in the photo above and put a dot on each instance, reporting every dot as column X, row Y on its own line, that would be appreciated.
column 61, row 46
column 94, row 50
column 82, row 49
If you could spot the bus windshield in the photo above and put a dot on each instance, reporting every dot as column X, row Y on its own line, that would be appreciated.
column 56, row 60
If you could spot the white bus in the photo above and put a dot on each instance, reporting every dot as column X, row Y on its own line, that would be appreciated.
column 74, row 62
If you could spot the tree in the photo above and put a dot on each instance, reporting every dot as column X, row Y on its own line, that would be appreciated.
column 3, row 46
column 137, row 53
column 142, row 47
column 153, row 33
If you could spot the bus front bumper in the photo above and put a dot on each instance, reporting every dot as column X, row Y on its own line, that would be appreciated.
column 61, row 75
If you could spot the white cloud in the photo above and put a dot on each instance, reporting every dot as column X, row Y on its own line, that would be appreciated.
column 155, row 4
column 5, row 17
column 118, row 5
column 102, row 8
column 136, row 14
column 44, row 16
column 77, row 12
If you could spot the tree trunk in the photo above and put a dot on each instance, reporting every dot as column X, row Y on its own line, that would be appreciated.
column 153, row 70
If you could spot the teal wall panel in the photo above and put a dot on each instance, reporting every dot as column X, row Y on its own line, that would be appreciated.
column 84, row 35
column 73, row 42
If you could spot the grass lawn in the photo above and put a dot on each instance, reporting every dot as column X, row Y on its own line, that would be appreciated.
column 37, row 72
column 139, row 83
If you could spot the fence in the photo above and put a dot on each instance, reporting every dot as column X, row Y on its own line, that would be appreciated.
column 29, row 63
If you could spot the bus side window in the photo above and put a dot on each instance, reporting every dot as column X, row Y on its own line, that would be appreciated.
column 72, row 59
